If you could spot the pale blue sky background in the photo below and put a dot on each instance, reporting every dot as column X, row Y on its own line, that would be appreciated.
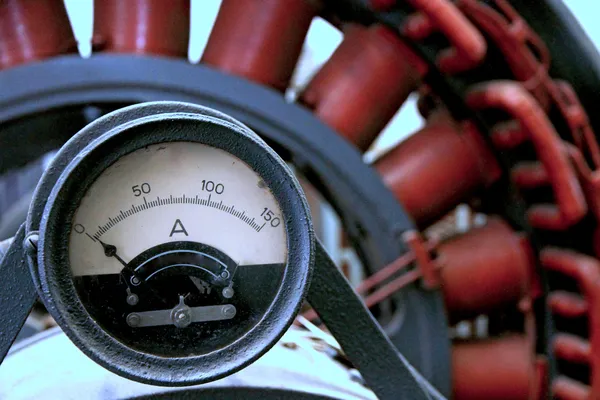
column 320, row 43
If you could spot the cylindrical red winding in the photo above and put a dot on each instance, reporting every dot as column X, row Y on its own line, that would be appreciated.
column 499, row 369
column 363, row 84
column 438, row 167
column 142, row 26
column 260, row 40
column 484, row 269
column 32, row 30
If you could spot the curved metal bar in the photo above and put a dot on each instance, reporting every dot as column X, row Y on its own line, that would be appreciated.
column 17, row 292
column 384, row 369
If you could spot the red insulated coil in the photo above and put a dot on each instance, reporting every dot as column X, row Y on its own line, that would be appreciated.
column 585, row 270
column 142, row 26
column 363, row 84
column 513, row 98
column 32, row 30
column 260, row 40
column 484, row 269
column 498, row 369
column 468, row 45
column 438, row 167
column 564, row 388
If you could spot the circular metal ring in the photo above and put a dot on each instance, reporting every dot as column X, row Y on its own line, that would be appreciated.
column 114, row 136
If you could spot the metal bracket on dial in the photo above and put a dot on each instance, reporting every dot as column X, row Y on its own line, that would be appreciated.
column 384, row 368
column 181, row 315
column 17, row 291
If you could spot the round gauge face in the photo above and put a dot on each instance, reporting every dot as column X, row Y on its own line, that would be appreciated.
column 178, row 249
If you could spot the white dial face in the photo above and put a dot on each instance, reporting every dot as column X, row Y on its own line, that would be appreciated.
column 177, row 191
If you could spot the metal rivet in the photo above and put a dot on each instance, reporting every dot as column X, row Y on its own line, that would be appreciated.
column 31, row 243
column 182, row 318
column 132, row 299
column 133, row 320
column 228, row 292
column 228, row 310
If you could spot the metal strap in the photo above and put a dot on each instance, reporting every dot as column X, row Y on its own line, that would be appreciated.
column 383, row 368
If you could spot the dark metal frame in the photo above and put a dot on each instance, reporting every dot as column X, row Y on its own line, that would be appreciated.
column 373, row 219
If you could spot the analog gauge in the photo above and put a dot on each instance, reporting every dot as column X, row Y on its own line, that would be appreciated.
column 175, row 238
column 177, row 234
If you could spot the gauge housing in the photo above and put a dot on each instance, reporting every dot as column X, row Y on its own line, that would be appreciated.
column 74, row 170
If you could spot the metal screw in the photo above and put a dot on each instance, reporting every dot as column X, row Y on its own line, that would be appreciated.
column 132, row 299
column 228, row 292
column 31, row 244
column 228, row 311
column 290, row 345
column 182, row 318
column 133, row 320
column 356, row 377
column 135, row 280
column 225, row 274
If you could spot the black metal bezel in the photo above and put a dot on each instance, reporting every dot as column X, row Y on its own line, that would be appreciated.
column 149, row 124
